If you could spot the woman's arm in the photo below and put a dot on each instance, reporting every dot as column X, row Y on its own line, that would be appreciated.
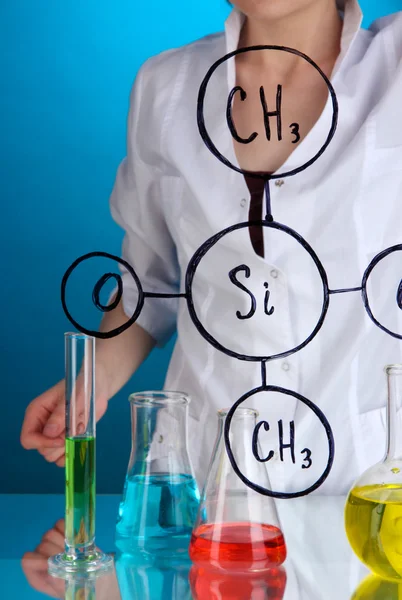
column 119, row 357
column 137, row 206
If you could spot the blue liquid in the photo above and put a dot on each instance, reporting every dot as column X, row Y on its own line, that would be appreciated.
column 157, row 513
column 157, row 578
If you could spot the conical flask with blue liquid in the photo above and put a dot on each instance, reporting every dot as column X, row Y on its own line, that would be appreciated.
column 159, row 578
column 160, row 498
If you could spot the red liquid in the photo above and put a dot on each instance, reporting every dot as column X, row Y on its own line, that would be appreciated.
column 245, row 546
column 207, row 584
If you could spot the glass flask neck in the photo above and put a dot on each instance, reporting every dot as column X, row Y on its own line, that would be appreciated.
column 159, row 433
column 241, row 430
column 394, row 404
column 243, row 422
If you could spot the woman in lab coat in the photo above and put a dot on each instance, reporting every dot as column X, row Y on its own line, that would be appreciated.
column 171, row 194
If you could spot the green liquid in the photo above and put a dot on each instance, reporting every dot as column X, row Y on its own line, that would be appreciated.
column 80, row 591
column 80, row 492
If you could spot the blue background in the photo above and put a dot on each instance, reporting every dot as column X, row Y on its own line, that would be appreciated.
column 66, row 73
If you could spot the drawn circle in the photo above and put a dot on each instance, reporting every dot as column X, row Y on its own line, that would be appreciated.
column 324, row 421
column 211, row 146
column 206, row 246
column 96, row 294
column 367, row 273
column 98, row 288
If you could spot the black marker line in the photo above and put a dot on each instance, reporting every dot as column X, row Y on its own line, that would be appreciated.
column 156, row 295
column 268, row 209
column 96, row 295
column 229, row 117
column 367, row 273
column 214, row 150
column 345, row 290
column 264, row 373
column 318, row 413
column 202, row 251
column 98, row 288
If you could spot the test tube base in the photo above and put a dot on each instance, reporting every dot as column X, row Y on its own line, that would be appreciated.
column 62, row 566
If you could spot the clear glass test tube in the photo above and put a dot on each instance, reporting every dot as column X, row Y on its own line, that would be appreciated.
column 80, row 552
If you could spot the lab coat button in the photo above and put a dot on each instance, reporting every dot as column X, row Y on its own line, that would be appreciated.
column 243, row 202
column 274, row 273
column 286, row 366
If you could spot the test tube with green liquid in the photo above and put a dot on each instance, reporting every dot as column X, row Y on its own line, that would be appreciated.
column 80, row 590
column 81, row 554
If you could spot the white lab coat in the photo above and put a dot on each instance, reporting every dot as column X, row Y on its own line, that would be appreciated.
column 171, row 194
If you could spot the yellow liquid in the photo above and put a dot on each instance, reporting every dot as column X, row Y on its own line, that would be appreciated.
column 374, row 588
column 373, row 521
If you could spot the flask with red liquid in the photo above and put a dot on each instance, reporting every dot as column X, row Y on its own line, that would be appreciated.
column 236, row 527
column 210, row 584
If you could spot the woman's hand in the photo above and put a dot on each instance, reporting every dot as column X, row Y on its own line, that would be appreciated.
column 43, row 428
column 35, row 567
column 34, row 564
column 117, row 359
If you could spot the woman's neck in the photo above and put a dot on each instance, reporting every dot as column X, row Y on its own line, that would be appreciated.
column 315, row 31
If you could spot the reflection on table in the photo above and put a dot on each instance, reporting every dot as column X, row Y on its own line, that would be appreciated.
column 320, row 566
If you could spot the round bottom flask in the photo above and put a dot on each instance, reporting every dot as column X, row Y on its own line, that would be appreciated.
column 373, row 514
column 374, row 588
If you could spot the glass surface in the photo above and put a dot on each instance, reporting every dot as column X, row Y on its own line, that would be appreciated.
column 236, row 527
column 320, row 564
column 373, row 513
column 160, row 497
column 80, row 554
column 155, row 578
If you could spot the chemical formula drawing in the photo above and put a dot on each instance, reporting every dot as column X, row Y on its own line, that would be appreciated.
column 240, row 274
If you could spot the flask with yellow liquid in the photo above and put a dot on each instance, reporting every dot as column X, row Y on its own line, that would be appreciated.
column 374, row 588
column 373, row 514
